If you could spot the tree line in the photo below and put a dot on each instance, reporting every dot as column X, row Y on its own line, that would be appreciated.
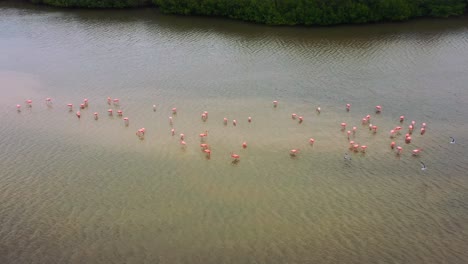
column 290, row 12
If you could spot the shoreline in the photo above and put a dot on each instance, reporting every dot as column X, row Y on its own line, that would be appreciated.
column 152, row 5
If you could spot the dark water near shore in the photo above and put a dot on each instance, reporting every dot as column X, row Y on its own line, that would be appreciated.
column 89, row 191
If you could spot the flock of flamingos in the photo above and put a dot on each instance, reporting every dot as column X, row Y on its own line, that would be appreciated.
column 353, row 146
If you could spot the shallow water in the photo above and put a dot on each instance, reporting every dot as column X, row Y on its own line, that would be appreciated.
column 89, row 191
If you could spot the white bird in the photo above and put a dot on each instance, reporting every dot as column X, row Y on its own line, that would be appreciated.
column 452, row 141
column 423, row 166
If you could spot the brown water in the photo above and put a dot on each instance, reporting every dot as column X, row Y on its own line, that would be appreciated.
column 87, row 191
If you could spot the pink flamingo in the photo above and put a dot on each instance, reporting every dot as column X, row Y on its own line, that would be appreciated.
column 318, row 109
column 208, row 153
column 203, row 135
column 364, row 121
column 70, row 107
column 392, row 133
column 293, row 152
column 374, row 128
column 244, row 145
column 183, row 144
column 234, row 122
column 423, row 130
column 301, row 119
column 119, row 112
column 206, row 113
column 343, row 126
column 85, row 101
column 413, row 123
column 416, row 152
column 249, row 119
column 116, row 101
column 351, row 144
column 423, row 125
column 399, row 150
column 378, row 109
column 18, row 108
column 204, row 146
column 356, row 147
column 126, row 121
column 408, row 139
column 410, row 129
column 363, row 148
column 348, row 107
column 29, row 103
column 402, row 118
column 95, row 116
column 354, row 130
column 275, row 103
column 48, row 100
column 109, row 100
column 174, row 111
column 172, row 132
column 311, row 141
column 182, row 136
column 225, row 120
column 294, row 115
column 110, row 112
column 203, row 117
column 348, row 133
column 392, row 145
column 154, row 108
column 170, row 120
column 235, row 157
column 82, row 106
column 78, row 114
column 368, row 118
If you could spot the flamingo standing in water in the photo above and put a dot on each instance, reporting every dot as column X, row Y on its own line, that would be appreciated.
column 402, row 118
column 208, row 153
column 311, row 141
column 126, row 122
column 172, row 132
column 18, row 108
column 343, row 126
column 154, row 108
column 301, row 119
column 416, row 152
column 82, row 106
column 235, row 157
column 110, row 112
column 249, row 119
column 423, row 130
column 109, row 100
column 183, row 144
column 174, row 111
column 85, row 101
column 354, row 130
column 363, row 148
column 170, row 120
column 293, row 152
column 225, row 121
column 348, row 107
column 348, row 133
column 294, row 115
column 78, row 114
column 392, row 145
column 116, row 101
column 95, row 116
column 182, row 136
column 399, row 150
column 318, row 109
column 244, row 144
column 119, row 112
column 275, row 103
column 48, row 101
column 29, row 103
column 378, row 109
column 70, row 107
column 203, row 135
column 234, row 122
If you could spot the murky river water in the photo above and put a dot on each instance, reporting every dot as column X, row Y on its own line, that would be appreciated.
column 89, row 191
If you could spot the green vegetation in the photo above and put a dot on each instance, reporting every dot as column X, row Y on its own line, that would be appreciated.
column 94, row 3
column 291, row 12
